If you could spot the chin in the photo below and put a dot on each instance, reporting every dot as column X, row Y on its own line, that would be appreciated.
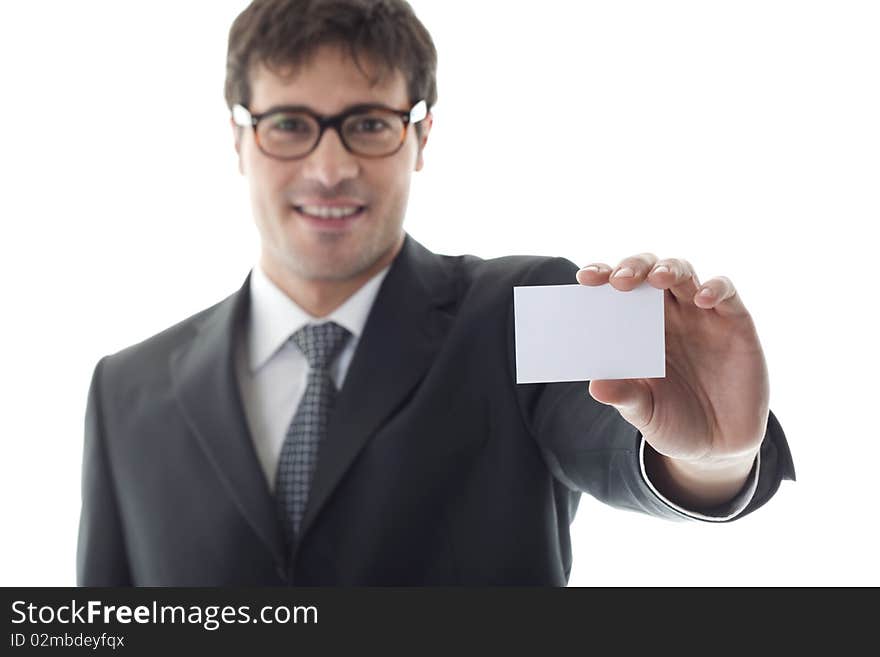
column 332, row 270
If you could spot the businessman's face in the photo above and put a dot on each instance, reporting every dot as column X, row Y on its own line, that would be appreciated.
column 286, row 194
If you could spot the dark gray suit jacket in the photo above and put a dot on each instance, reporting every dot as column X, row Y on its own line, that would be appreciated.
column 437, row 467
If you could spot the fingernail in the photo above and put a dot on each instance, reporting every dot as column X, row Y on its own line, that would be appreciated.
column 660, row 269
column 592, row 268
column 706, row 292
column 626, row 272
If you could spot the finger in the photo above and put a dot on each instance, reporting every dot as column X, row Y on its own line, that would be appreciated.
column 594, row 274
column 677, row 276
column 631, row 397
column 632, row 271
column 722, row 296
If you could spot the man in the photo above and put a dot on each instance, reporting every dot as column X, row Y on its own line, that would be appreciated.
column 350, row 415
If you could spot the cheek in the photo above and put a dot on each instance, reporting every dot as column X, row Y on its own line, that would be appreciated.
column 395, row 178
column 268, row 183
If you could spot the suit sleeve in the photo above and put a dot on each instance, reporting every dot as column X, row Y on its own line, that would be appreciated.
column 590, row 448
column 101, row 556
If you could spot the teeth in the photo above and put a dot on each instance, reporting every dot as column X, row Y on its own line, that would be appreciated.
column 329, row 212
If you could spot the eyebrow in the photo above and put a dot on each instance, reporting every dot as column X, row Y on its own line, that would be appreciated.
column 346, row 110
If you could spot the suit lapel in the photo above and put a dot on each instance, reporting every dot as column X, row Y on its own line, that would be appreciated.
column 205, row 384
column 403, row 332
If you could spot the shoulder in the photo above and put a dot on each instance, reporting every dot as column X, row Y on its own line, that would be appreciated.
column 503, row 273
column 531, row 270
column 167, row 339
column 452, row 279
column 146, row 362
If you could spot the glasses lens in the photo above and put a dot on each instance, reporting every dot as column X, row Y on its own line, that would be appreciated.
column 288, row 134
column 374, row 132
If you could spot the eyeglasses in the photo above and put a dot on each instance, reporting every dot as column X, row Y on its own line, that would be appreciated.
column 292, row 132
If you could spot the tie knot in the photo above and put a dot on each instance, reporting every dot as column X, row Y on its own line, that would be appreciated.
column 321, row 343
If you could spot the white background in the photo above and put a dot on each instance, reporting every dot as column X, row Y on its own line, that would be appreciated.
column 742, row 136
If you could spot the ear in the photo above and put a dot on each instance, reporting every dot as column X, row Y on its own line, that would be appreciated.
column 236, row 136
column 426, row 124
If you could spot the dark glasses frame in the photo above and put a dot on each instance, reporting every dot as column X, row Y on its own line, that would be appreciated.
column 242, row 117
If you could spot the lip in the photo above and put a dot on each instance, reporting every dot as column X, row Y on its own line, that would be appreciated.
column 333, row 225
column 330, row 203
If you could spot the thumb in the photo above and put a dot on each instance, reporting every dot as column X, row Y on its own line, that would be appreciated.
column 631, row 397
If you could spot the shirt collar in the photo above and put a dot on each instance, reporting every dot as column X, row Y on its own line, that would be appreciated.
column 274, row 316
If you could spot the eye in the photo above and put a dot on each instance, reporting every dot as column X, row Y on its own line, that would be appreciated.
column 290, row 124
column 369, row 124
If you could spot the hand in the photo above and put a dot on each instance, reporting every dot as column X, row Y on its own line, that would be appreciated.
column 712, row 406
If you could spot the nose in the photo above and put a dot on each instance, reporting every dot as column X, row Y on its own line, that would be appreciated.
column 330, row 163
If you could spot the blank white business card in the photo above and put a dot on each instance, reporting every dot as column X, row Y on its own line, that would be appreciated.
column 581, row 333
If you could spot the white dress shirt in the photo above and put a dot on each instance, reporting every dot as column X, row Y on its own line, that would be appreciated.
column 272, row 373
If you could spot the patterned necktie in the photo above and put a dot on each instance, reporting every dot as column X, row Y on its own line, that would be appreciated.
column 320, row 343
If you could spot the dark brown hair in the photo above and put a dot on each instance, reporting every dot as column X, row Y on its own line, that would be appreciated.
column 286, row 33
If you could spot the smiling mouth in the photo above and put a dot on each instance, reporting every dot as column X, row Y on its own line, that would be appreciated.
column 330, row 212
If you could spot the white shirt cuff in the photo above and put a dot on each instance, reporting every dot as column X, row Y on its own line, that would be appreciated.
column 721, row 513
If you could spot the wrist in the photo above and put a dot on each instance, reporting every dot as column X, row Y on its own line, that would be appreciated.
column 699, row 484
